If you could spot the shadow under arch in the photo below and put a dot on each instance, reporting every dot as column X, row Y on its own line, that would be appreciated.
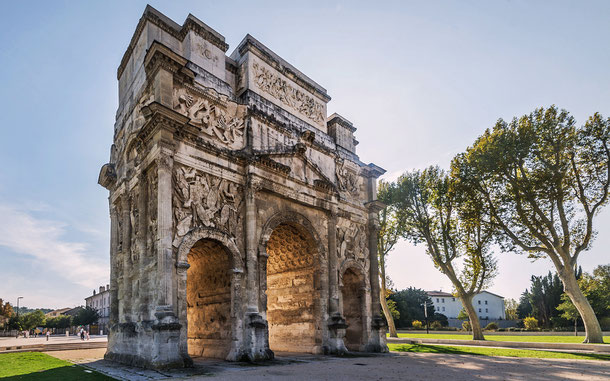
column 293, row 291
column 354, row 291
column 214, row 241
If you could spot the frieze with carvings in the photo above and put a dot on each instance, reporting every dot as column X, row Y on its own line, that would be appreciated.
column 201, row 199
column 223, row 123
column 347, row 180
column 352, row 242
column 292, row 97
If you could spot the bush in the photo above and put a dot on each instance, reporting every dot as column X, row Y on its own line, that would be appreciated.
column 491, row 327
column 466, row 326
column 436, row 325
column 530, row 323
column 502, row 329
column 442, row 319
column 417, row 324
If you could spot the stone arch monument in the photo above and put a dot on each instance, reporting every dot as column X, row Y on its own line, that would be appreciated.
column 242, row 221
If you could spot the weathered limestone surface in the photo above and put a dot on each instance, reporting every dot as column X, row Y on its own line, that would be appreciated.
column 242, row 220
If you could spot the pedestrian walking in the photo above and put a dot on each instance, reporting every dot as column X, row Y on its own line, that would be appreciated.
column 48, row 334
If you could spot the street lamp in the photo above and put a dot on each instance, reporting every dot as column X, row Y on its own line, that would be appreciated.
column 20, row 297
column 426, row 315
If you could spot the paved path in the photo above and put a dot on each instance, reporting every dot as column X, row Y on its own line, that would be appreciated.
column 394, row 366
column 54, row 339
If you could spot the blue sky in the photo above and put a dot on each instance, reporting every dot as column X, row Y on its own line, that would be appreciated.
column 420, row 80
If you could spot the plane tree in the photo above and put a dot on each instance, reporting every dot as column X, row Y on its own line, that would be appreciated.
column 543, row 181
column 450, row 225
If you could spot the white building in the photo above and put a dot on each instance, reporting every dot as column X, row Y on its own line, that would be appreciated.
column 101, row 302
column 489, row 306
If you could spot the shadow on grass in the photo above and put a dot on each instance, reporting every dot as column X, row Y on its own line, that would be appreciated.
column 64, row 373
column 505, row 352
column 422, row 348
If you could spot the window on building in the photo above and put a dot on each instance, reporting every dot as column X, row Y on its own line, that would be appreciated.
column 443, row 300
column 486, row 309
column 443, row 309
column 479, row 310
column 437, row 300
column 438, row 308
column 454, row 299
column 479, row 302
column 486, row 302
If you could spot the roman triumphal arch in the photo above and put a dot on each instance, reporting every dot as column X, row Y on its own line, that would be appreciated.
column 243, row 223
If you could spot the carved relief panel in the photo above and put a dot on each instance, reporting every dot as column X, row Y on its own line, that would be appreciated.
column 288, row 95
column 348, row 180
column 216, row 117
column 200, row 199
column 352, row 241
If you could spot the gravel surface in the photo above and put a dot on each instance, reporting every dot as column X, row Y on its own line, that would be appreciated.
column 394, row 366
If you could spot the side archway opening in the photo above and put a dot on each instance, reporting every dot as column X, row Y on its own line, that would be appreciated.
column 208, row 297
column 353, row 294
column 293, row 300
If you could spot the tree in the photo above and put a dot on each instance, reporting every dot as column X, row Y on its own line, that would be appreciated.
column 32, row 320
column 86, row 316
column 544, row 297
column 524, row 309
column 6, row 310
column 436, row 214
column 510, row 309
column 544, row 180
column 463, row 315
column 410, row 305
column 568, row 311
column 390, row 229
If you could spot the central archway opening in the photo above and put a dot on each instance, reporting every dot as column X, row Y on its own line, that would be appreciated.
column 352, row 294
column 292, row 297
column 208, row 297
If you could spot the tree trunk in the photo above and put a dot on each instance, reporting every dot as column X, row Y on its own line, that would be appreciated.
column 388, row 315
column 593, row 331
column 384, row 303
column 475, row 324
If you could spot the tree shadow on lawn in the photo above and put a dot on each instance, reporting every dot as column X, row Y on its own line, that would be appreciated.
column 423, row 348
column 64, row 373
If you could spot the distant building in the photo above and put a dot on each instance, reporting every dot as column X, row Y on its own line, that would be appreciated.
column 488, row 306
column 56, row 313
column 101, row 302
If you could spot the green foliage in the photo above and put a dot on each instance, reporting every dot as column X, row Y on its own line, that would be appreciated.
column 6, row 310
column 436, row 325
column 463, row 315
column 410, row 305
column 466, row 325
column 416, row 324
column 543, row 180
column 86, row 316
column 544, row 296
column 530, row 323
column 491, row 326
column 441, row 319
column 392, row 306
column 61, row 321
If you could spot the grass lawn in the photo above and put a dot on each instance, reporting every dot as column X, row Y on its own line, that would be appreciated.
column 483, row 351
column 529, row 339
column 40, row 366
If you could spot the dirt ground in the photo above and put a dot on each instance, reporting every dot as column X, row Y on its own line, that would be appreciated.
column 412, row 366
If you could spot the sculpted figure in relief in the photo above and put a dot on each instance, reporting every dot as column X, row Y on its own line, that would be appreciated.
column 277, row 87
column 347, row 180
column 225, row 124
column 204, row 200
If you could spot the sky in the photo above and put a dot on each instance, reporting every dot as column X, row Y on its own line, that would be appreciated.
column 419, row 79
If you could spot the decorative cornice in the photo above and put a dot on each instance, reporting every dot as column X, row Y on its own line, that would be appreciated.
column 372, row 170
column 251, row 44
column 160, row 56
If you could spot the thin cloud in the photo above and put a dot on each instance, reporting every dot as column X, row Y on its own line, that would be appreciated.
column 43, row 241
